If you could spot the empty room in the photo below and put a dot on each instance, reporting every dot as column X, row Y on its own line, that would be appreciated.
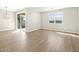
column 39, row 29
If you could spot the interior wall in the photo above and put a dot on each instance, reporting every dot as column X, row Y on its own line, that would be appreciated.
column 33, row 19
column 36, row 20
column 78, row 20
column 69, row 23
column 7, row 23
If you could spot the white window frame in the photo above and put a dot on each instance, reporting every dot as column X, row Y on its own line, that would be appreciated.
column 55, row 16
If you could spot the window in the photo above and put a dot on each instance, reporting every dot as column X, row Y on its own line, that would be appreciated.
column 55, row 17
column 51, row 17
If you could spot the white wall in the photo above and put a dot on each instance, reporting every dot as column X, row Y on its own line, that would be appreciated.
column 78, row 20
column 69, row 23
column 7, row 23
column 36, row 20
column 33, row 17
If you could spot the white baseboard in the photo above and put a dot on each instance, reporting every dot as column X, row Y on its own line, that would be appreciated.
column 60, row 30
column 6, row 30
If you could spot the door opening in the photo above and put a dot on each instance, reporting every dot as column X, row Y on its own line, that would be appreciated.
column 21, row 21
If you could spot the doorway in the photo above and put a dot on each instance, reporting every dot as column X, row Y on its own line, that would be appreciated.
column 21, row 21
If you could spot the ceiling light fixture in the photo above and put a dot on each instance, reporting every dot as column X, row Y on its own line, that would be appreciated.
column 6, row 13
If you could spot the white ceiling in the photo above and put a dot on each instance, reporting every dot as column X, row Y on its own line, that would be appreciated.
column 16, row 5
column 40, row 9
column 12, row 8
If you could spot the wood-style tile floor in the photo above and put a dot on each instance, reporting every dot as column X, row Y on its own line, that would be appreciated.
column 37, row 41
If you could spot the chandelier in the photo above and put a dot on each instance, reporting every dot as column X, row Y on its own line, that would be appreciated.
column 6, row 13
